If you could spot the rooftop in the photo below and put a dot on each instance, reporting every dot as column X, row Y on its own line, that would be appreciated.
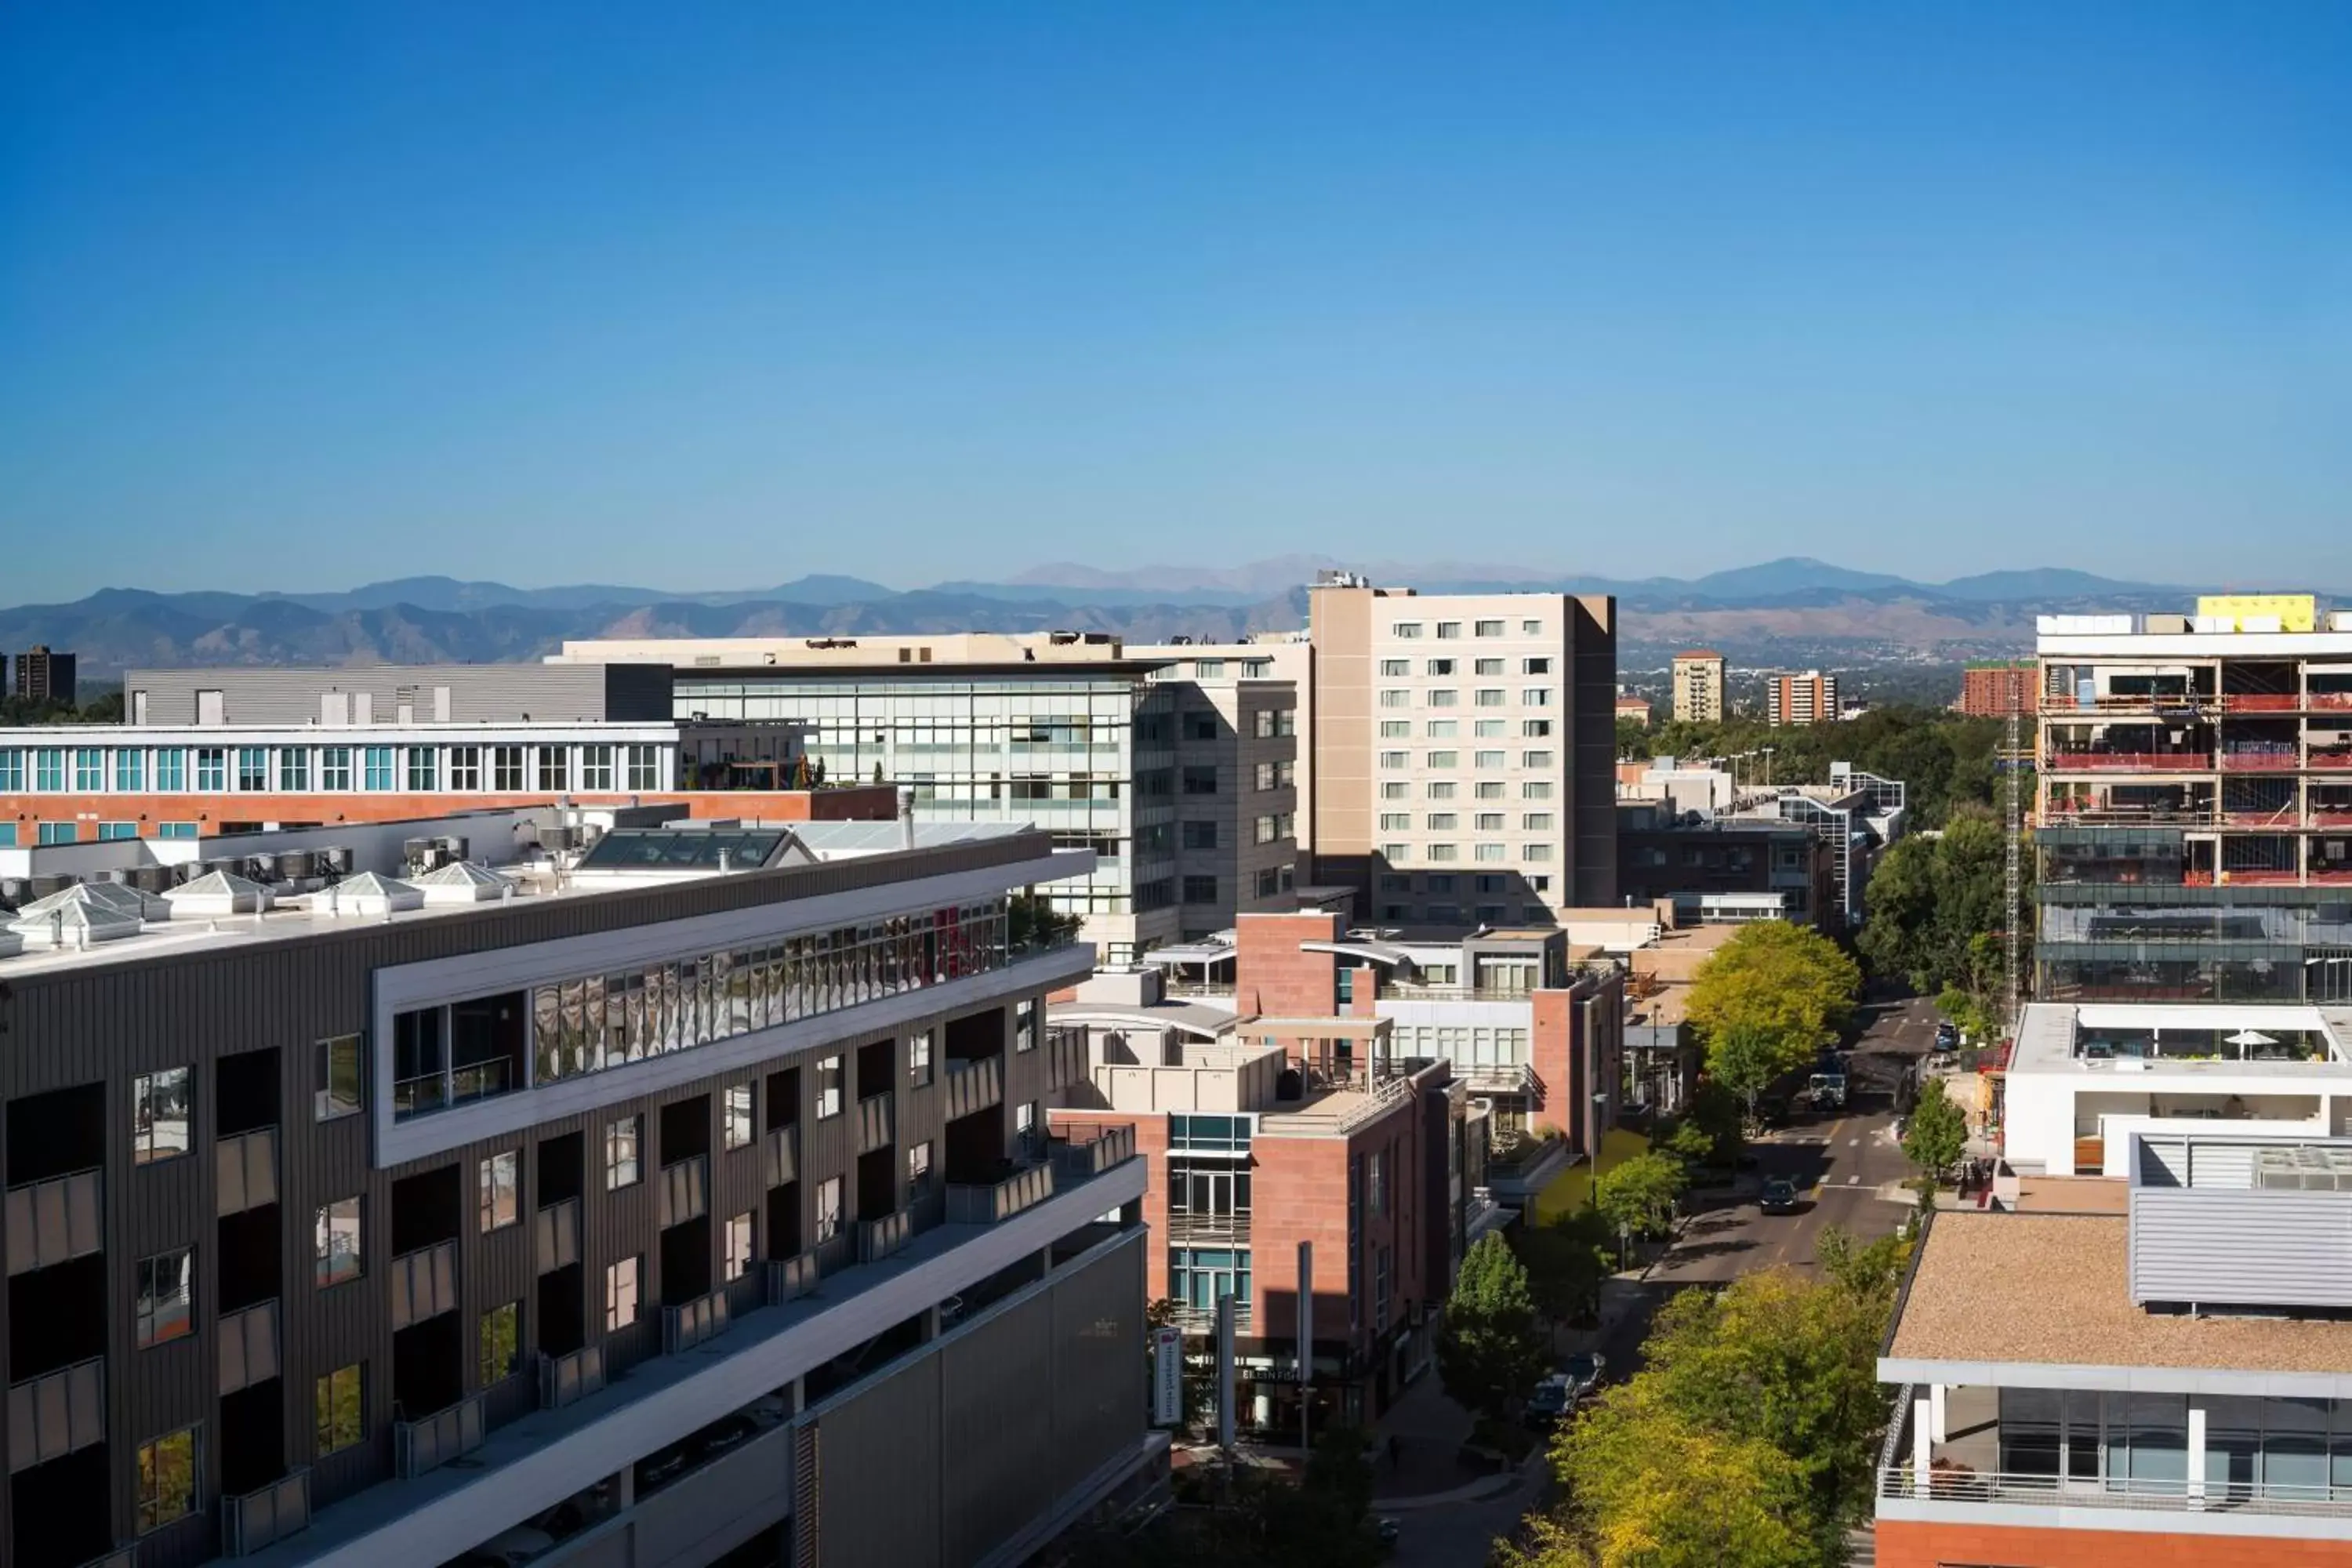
column 2263, row 1039
column 2052, row 1289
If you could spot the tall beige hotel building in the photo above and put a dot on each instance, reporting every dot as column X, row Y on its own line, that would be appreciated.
column 1463, row 751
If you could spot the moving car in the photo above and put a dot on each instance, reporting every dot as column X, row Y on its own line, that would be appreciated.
column 1583, row 1372
column 1779, row 1195
column 1827, row 1090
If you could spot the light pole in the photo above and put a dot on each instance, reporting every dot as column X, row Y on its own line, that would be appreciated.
column 1768, row 767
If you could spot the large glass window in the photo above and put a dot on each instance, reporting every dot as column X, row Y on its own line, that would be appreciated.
column 596, row 767
column 162, row 1114
column 335, row 1244
column 90, row 769
column 335, row 769
column 465, row 768
column 49, row 770
column 166, row 1304
column 171, row 770
column 645, row 767
column 736, row 1255
column 828, row 1208
column 424, row 769
column 252, row 769
column 500, row 1180
column 12, row 770
column 555, row 768
column 622, row 1282
column 377, row 769
column 341, row 1421
column 828, row 1088
column 212, row 769
column 293, row 768
column 167, row 1479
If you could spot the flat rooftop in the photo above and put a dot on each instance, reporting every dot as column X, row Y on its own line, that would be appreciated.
column 2052, row 1290
column 2118, row 1038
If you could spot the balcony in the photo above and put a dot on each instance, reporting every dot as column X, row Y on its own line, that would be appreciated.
column 245, row 1172
column 877, row 1122
column 789, row 1278
column 265, row 1516
column 429, row 1093
column 1076, row 1162
column 685, row 1191
column 555, row 1236
column 971, row 1085
column 1185, row 1228
column 2068, row 762
column 57, row 1414
column 419, row 1448
column 564, row 1379
column 1066, row 1058
column 248, row 1346
column 698, row 1322
column 998, row 1201
column 779, row 1156
column 423, row 1284
column 53, row 1221
column 880, row 1238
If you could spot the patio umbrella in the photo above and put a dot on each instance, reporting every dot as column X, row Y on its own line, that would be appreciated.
column 2251, row 1037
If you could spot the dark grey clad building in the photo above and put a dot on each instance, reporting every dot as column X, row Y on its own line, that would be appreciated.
column 525, row 1210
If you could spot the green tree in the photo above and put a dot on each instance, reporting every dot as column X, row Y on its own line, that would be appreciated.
column 1715, row 1110
column 1566, row 1260
column 1937, row 1134
column 1748, row 1057
column 1030, row 921
column 1637, row 1195
column 1488, row 1350
column 1781, row 978
column 1937, row 920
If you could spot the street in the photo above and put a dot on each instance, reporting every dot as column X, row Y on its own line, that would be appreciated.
column 1839, row 1161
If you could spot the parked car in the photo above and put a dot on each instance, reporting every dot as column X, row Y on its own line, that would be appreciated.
column 1583, row 1372
column 1779, row 1195
column 1948, row 1036
column 1552, row 1399
column 508, row 1548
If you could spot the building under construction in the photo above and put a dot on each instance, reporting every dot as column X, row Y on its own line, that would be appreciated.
column 2194, row 835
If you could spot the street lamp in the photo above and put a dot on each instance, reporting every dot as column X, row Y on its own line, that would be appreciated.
column 1768, row 767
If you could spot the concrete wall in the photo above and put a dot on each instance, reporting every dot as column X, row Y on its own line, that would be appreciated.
column 434, row 693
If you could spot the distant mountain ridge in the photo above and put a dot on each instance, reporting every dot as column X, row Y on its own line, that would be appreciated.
column 1796, row 609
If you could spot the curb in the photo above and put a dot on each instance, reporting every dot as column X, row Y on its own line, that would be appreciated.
column 1493, row 1487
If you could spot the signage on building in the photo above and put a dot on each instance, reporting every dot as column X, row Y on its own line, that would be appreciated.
column 1167, row 1377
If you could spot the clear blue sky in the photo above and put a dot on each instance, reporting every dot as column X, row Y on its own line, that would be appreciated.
column 300, row 295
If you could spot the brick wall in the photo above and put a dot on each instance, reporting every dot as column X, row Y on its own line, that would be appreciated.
column 1552, row 1052
column 1151, row 1142
column 1908, row 1543
column 1271, row 976
column 862, row 803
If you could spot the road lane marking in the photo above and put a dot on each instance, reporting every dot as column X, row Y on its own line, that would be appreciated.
column 1852, row 1180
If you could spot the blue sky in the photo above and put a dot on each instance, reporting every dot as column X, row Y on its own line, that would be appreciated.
column 297, row 296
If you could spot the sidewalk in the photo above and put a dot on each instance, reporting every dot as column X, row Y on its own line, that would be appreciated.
column 1417, row 1445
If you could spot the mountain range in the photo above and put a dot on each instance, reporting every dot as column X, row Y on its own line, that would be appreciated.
column 1786, row 611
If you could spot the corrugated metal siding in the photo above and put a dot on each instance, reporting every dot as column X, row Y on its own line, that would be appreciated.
column 488, row 694
column 2253, row 1248
column 997, row 1428
column 112, row 1021
column 1098, row 1377
column 879, row 1490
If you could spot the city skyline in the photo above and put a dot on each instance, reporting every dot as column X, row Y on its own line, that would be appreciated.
column 1918, row 292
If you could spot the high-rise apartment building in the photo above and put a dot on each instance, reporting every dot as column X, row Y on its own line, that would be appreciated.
column 1810, row 698
column 1698, row 682
column 2195, row 793
column 1465, row 748
column 45, row 676
column 1995, row 689
column 691, row 1197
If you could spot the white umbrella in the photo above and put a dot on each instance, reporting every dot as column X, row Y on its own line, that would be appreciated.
column 2252, row 1037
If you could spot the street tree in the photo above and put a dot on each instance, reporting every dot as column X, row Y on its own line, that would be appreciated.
column 1488, row 1350
column 1937, row 1135
column 1637, row 1195
column 1747, row 1058
column 1566, row 1259
column 1782, row 980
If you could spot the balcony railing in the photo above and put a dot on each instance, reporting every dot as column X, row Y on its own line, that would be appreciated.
column 2332, row 759
column 248, row 1346
column 266, row 1516
column 53, row 1221
column 555, row 1236
column 120, row 1557
column 2284, row 761
column 1203, row 1319
column 2060, row 761
column 790, row 1279
column 423, row 1284
column 1076, row 1162
column 1957, row 1483
column 423, row 1446
column 57, row 1414
column 685, row 1190
column 244, row 1172
column 2060, row 703
column 879, row 1238
column 1065, row 1057
column 970, row 1203
column 780, row 1155
column 1187, row 1229
column 973, row 1083
column 429, row 1093
column 877, row 1122
column 563, row 1378
column 698, row 1322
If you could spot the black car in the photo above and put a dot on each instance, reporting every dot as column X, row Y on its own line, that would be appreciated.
column 1948, row 1036
column 1779, row 1195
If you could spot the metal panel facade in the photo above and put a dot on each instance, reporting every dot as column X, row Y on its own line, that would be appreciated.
column 2252, row 1247
column 476, row 693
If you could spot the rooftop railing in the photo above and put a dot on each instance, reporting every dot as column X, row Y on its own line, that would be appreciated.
column 1948, row 1482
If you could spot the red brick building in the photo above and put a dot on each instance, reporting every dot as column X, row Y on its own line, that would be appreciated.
column 1995, row 690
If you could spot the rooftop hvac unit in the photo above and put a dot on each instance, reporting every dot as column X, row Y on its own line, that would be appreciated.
column 261, row 867
column 295, row 865
column 115, row 874
column 337, row 858
column 559, row 838
column 423, row 854
column 454, row 847
column 51, row 882
column 151, row 879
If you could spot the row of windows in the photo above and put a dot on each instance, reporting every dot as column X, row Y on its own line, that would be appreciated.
column 70, row 832
column 1481, row 789
column 1393, row 669
column 1482, row 821
column 1450, row 697
column 1393, row 761
column 1407, row 630
column 1443, row 882
column 1401, row 854
column 333, row 770
column 1451, row 914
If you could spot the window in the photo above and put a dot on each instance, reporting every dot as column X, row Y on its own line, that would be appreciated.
column 1486, row 666
column 1396, row 822
column 335, row 769
column 1396, row 696
column 335, row 1244
column 1444, row 759
column 1490, row 628
column 1024, row 1117
column 1534, row 729
column 112, row 830
column 176, row 830
column 501, row 1194
column 166, row 1305
column 1489, row 852
column 1269, row 880
column 735, row 1258
column 1203, row 835
column 1200, row 889
column 1391, row 730
column 1444, row 821
column 622, row 1168
column 1488, row 760
column 376, row 769
column 1488, row 789
column 1490, row 697
column 424, row 769
column 1405, row 631
column 335, row 1400
column 1532, row 628
column 1264, row 829
column 1535, row 759
column 1489, row 822
column 1535, row 697
column 1438, row 667
column 1396, row 669
column 1200, row 726
column 167, row 1479
column 1396, row 790
column 1537, row 822
column 596, row 767
column 1535, row 852
column 620, row 1287
column 171, row 770
column 919, row 1165
column 506, row 768
column 1441, row 789
column 1444, row 697
column 49, row 770
column 644, row 770
column 1396, row 854
column 293, row 767
column 161, row 1116
column 555, row 767
column 500, row 1343
column 59, row 833
column 12, row 770
column 1200, row 780
column 1442, row 852
column 338, row 1062
column 212, row 769
column 1449, row 628
column 130, row 768
column 466, row 768
column 1534, row 666
column 735, row 1117
column 1443, row 729
column 1393, row 759
column 1490, row 729
column 828, row 1208
column 828, row 1088
column 1536, row 789
column 1263, row 777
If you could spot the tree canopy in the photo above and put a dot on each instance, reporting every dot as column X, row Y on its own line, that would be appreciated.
column 1767, row 1000
column 1935, row 918
column 1638, row 1196
column 1938, row 1132
column 1488, row 1350
column 1945, row 761
column 1566, row 1259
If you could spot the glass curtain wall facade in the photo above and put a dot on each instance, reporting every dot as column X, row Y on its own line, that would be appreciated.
column 1088, row 757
